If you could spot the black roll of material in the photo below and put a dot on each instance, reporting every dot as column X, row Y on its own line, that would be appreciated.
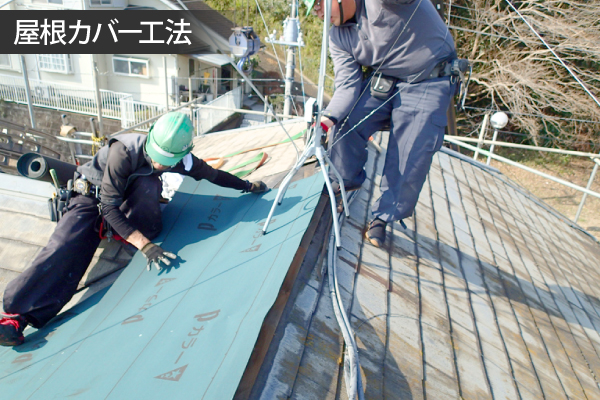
column 37, row 166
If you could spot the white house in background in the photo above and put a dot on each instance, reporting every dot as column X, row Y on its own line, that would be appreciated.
column 142, row 76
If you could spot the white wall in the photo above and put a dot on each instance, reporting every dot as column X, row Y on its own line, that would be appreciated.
column 81, row 70
column 67, row 5
column 150, row 89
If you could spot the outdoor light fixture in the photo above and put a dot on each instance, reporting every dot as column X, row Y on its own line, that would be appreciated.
column 498, row 121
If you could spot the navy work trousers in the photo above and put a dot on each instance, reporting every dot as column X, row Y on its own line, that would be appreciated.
column 42, row 290
column 417, row 118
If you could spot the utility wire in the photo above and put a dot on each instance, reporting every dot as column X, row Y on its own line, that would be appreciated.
column 555, row 55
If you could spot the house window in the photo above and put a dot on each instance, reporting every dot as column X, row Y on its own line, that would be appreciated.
column 5, row 60
column 55, row 63
column 100, row 2
column 130, row 66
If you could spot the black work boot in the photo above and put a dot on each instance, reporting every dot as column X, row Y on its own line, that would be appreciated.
column 376, row 232
column 11, row 329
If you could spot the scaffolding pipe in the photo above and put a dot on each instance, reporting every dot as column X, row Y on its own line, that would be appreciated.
column 98, row 97
column 492, row 146
column 166, row 82
column 152, row 119
column 516, row 164
column 486, row 118
column 27, row 91
column 526, row 147
column 589, row 185
column 241, row 110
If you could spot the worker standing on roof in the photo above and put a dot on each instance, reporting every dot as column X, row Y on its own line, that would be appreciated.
column 409, row 50
column 127, row 172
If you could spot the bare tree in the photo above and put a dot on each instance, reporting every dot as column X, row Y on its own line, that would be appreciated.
column 515, row 71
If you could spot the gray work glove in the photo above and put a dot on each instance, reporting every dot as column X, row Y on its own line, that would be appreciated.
column 155, row 254
column 256, row 187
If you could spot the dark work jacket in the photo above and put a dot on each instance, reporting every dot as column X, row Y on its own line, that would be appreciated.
column 403, row 38
column 124, row 159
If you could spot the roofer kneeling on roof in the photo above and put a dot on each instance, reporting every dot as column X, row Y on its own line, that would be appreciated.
column 410, row 52
column 127, row 172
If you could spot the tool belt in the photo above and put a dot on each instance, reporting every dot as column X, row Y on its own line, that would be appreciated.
column 78, row 186
column 382, row 86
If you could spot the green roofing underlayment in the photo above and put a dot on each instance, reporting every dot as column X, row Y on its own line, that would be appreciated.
column 188, row 331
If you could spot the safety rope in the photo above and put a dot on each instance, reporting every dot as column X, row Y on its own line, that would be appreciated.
column 217, row 162
column 260, row 159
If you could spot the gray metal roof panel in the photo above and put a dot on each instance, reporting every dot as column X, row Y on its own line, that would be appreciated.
column 488, row 293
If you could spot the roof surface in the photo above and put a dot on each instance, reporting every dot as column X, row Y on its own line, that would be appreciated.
column 487, row 294
column 213, row 19
column 188, row 330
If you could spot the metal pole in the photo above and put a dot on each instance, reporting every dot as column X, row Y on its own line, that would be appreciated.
column 492, row 147
column 190, row 95
column 525, row 146
column 289, row 80
column 93, row 128
column 266, row 104
column 150, row 119
column 65, row 121
column 486, row 118
column 244, row 111
column 166, row 83
column 589, row 185
column 289, row 69
column 27, row 91
column 98, row 98
column 533, row 171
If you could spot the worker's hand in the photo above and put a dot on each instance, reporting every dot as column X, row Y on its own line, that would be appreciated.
column 155, row 255
column 256, row 187
column 326, row 123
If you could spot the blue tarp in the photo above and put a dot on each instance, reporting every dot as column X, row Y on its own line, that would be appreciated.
column 186, row 331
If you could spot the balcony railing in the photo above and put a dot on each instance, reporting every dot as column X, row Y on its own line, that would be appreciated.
column 207, row 119
column 115, row 105
column 133, row 112
column 61, row 97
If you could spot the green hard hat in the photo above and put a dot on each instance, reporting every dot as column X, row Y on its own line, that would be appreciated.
column 170, row 138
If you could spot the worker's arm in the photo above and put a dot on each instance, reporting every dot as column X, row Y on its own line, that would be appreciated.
column 138, row 239
column 198, row 169
column 348, row 81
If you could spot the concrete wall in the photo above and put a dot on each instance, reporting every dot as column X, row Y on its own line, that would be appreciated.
column 49, row 121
